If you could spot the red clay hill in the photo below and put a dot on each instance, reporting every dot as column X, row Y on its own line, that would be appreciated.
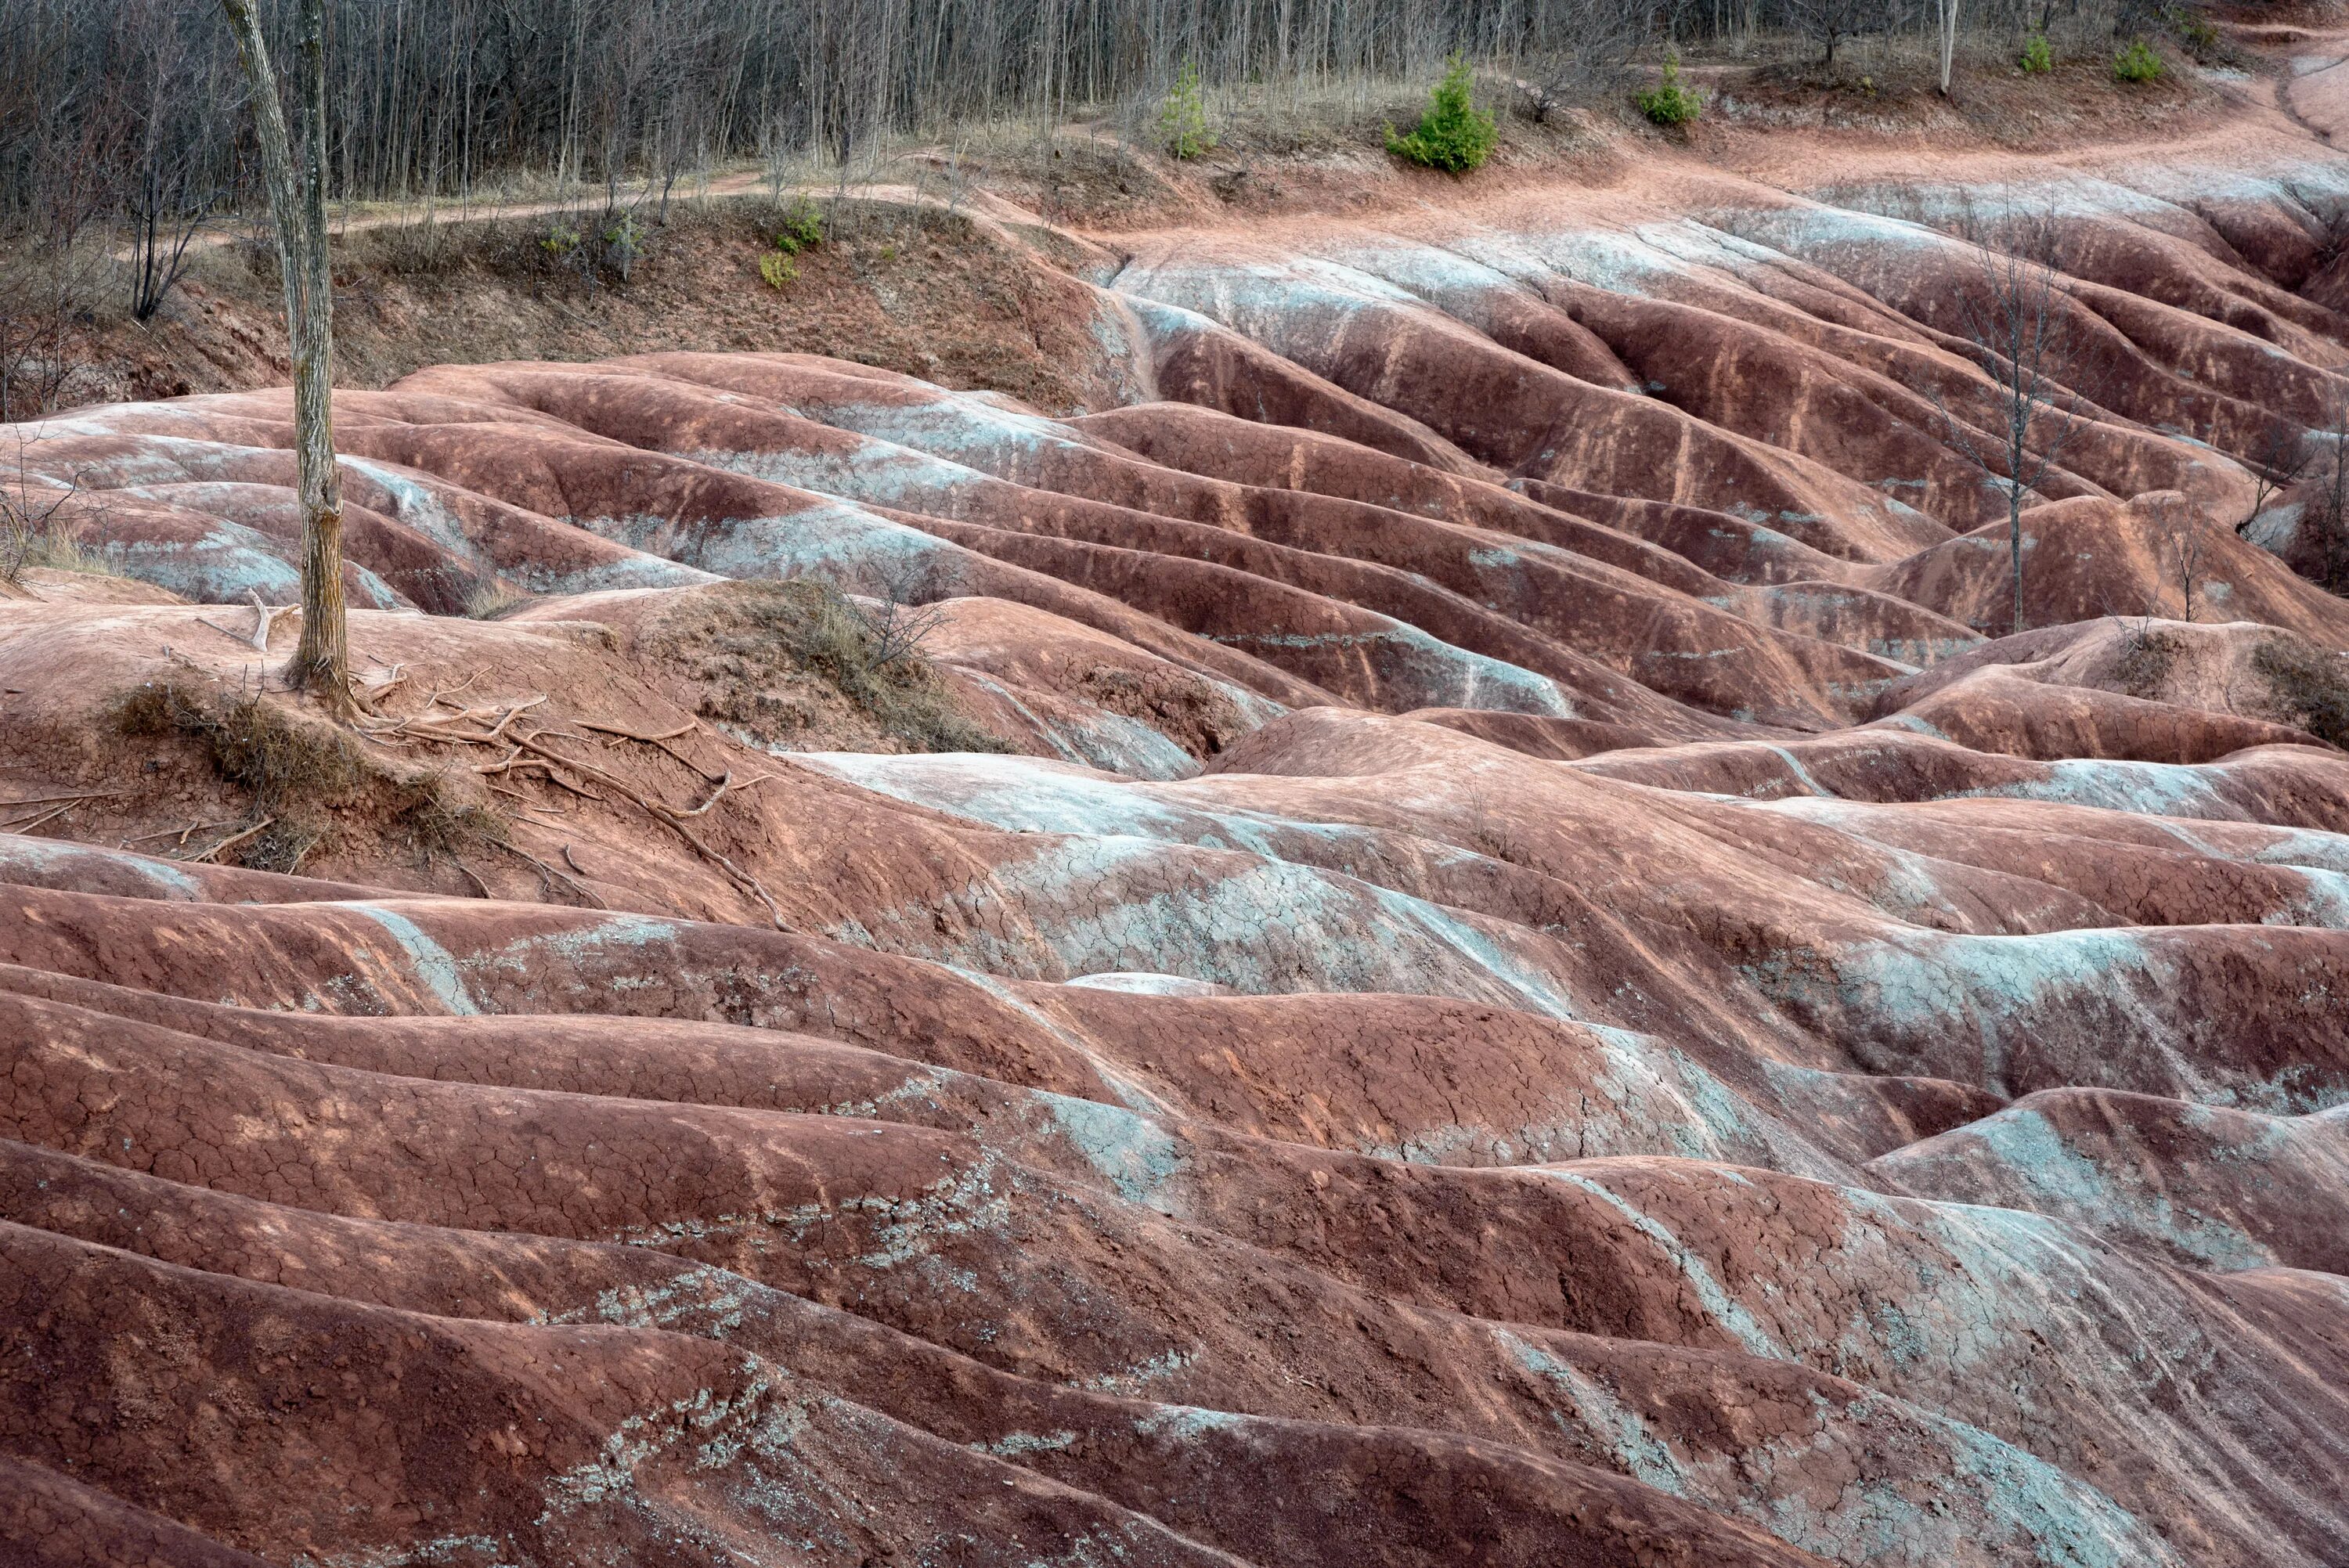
column 1451, row 929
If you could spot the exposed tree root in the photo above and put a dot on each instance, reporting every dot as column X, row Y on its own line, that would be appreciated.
column 527, row 751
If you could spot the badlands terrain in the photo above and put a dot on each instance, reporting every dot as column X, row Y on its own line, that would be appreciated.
column 1437, row 923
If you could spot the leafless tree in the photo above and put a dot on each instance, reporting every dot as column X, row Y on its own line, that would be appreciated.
column 435, row 98
column 296, row 178
column 2179, row 546
column 31, row 507
column 2327, row 510
column 2013, row 310
column 2283, row 458
column 165, row 216
column 48, row 285
column 1593, row 60
column 51, row 275
column 161, row 86
column 1829, row 22
column 445, row 99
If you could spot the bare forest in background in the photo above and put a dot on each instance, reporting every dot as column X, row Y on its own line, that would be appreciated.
column 123, row 130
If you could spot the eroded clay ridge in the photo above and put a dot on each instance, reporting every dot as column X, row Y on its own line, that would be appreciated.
column 1528, row 989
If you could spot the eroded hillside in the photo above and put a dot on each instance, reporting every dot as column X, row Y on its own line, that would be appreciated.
column 1445, row 925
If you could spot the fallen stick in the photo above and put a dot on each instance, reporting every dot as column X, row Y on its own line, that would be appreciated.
column 232, row 839
column 263, row 619
column 223, row 631
column 68, row 799
column 168, row 832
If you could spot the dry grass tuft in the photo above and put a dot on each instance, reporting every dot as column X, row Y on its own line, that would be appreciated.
column 795, row 662
column 494, row 597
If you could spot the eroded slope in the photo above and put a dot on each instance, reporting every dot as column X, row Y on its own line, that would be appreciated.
column 1463, row 943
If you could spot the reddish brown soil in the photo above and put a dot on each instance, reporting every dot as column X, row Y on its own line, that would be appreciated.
column 1538, row 976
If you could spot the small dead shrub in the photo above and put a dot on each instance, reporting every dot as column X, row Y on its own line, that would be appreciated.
column 2309, row 683
column 2147, row 658
column 313, row 783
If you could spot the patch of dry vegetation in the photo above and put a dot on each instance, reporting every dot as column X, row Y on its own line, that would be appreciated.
column 310, row 786
column 2311, row 684
column 798, row 665
column 2145, row 661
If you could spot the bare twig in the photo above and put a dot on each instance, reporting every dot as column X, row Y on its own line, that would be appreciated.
column 69, row 799
column 48, row 808
column 182, row 834
column 237, row 838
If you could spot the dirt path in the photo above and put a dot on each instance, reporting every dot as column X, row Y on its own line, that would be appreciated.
column 2316, row 93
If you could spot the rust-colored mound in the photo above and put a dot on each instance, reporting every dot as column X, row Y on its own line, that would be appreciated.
column 1460, row 932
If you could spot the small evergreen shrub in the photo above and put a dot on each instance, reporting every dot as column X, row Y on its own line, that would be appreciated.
column 1182, row 118
column 1453, row 134
column 1670, row 102
column 2138, row 63
column 801, row 228
column 2038, row 59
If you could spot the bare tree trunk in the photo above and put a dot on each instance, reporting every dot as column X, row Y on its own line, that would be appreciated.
column 2336, row 512
column 2014, row 312
column 1948, row 40
column 2014, row 548
column 297, row 204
